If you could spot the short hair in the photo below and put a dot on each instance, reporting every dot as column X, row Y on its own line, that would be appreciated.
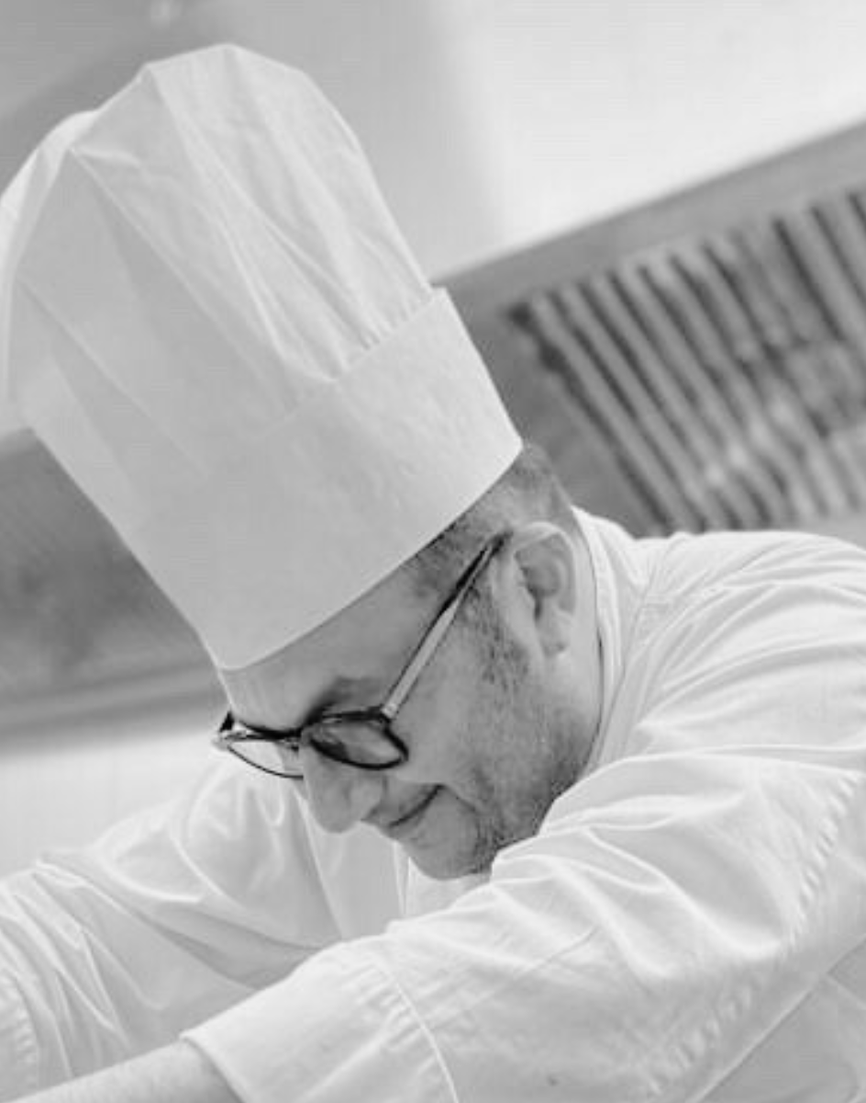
column 529, row 490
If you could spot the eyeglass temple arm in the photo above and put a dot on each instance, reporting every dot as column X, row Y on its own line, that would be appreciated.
column 432, row 640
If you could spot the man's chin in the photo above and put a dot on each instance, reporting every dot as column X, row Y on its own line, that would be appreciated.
column 447, row 865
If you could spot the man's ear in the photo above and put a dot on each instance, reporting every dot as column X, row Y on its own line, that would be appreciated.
column 546, row 565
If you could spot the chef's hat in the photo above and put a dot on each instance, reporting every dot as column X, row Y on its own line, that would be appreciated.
column 215, row 326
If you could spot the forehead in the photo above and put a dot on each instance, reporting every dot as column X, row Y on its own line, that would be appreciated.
column 344, row 661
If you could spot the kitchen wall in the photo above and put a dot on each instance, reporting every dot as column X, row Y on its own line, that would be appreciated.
column 498, row 122
column 492, row 124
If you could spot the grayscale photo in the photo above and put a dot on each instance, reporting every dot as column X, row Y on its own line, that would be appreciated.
column 432, row 551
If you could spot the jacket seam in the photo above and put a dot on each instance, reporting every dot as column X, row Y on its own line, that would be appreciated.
column 421, row 1026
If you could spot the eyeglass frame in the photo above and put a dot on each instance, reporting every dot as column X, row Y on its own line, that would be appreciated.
column 232, row 732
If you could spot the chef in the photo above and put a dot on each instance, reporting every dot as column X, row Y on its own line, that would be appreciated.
column 511, row 805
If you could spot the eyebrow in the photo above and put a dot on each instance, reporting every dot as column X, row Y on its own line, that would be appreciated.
column 338, row 692
column 341, row 691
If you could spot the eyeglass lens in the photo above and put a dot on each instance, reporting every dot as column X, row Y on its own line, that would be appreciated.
column 355, row 742
column 275, row 758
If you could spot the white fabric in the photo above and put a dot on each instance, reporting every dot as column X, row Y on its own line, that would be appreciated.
column 216, row 327
column 689, row 924
column 20, row 205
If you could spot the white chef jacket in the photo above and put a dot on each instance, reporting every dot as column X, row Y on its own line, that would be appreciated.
column 688, row 924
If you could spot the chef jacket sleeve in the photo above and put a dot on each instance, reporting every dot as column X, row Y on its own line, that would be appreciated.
column 678, row 905
column 170, row 917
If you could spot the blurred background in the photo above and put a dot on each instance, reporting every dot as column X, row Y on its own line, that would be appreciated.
column 649, row 212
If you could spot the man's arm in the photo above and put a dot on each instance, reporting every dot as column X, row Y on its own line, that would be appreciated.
column 177, row 1072
column 180, row 912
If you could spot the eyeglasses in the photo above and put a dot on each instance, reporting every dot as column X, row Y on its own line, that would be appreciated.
column 363, row 738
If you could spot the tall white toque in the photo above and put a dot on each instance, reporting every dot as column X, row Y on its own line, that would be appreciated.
column 213, row 323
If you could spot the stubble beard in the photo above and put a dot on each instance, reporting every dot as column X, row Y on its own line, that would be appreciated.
column 532, row 726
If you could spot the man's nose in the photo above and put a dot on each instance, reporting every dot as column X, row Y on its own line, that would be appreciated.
column 339, row 795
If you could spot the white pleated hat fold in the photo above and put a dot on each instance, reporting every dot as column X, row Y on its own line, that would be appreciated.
column 214, row 324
